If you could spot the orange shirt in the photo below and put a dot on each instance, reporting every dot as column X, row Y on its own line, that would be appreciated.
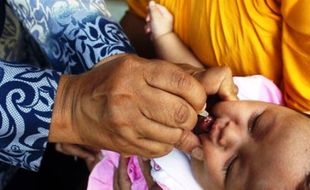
column 268, row 37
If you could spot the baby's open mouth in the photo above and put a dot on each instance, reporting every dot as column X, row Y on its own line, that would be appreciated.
column 204, row 124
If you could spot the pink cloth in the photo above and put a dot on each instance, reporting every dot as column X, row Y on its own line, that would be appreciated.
column 101, row 178
column 259, row 88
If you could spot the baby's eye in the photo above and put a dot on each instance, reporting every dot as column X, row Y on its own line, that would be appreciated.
column 253, row 122
column 228, row 165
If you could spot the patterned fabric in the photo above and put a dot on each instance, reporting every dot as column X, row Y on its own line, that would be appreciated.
column 73, row 36
column 26, row 101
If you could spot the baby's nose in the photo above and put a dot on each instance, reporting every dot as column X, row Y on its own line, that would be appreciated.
column 229, row 136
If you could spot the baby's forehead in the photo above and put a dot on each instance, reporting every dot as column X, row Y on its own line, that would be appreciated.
column 273, row 179
column 283, row 162
column 278, row 171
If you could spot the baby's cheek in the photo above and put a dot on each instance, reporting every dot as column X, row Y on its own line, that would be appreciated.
column 198, row 172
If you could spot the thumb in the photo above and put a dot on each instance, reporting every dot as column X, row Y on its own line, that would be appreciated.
column 197, row 153
column 188, row 141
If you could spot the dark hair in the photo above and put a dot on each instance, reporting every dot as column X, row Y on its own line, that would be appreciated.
column 305, row 184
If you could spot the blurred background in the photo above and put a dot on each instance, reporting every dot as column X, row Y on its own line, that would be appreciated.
column 117, row 8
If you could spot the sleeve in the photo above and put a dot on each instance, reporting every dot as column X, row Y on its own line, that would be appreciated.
column 74, row 35
column 26, row 102
column 296, row 53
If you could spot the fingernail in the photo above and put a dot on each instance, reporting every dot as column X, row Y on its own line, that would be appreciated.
column 204, row 113
column 197, row 153
column 204, row 108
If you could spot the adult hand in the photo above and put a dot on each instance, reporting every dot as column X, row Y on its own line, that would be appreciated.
column 216, row 81
column 127, row 104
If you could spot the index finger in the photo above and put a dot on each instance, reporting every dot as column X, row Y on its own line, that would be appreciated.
column 171, row 78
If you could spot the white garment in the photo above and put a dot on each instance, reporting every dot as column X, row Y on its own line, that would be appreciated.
column 173, row 171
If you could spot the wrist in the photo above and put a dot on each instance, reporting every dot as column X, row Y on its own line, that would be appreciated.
column 61, row 129
column 162, row 36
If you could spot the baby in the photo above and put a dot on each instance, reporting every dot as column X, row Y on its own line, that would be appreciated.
column 244, row 148
column 259, row 146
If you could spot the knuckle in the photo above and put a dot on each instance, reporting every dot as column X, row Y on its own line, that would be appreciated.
column 181, row 114
column 180, row 80
column 182, row 141
column 130, row 60
column 127, row 63
column 226, row 71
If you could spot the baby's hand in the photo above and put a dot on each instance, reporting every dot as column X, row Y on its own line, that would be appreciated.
column 159, row 20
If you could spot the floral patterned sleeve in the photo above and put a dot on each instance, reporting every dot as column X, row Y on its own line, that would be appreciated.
column 26, row 101
column 73, row 36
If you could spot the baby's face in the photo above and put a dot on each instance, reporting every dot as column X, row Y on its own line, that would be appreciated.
column 254, row 145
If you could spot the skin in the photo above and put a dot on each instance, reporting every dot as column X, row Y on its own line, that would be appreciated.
column 159, row 26
column 267, row 147
column 135, row 106
column 120, row 109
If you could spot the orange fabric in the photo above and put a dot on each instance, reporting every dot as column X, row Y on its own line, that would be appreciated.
column 268, row 37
